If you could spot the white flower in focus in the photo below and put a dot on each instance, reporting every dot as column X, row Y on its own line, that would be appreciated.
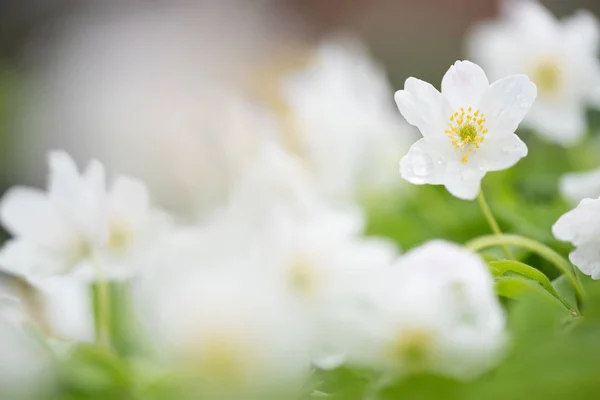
column 468, row 128
column 343, row 124
column 581, row 227
column 559, row 56
column 233, row 330
column 435, row 310
column 582, row 185
column 77, row 223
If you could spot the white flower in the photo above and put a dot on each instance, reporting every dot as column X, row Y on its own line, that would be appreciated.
column 581, row 227
column 434, row 310
column 578, row 186
column 236, row 332
column 78, row 223
column 468, row 128
column 343, row 124
column 559, row 56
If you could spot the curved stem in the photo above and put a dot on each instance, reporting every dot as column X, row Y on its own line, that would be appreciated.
column 542, row 250
column 492, row 221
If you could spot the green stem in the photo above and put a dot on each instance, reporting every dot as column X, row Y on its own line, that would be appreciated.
column 542, row 250
column 492, row 221
column 103, row 318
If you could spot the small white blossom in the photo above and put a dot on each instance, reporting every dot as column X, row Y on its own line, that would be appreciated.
column 77, row 222
column 581, row 227
column 559, row 56
column 578, row 186
column 344, row 126
column 434, row 310
column 468, row 128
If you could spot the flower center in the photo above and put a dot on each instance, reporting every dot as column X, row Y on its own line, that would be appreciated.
column 547, row 77
column 412, row 345
column 302, row 276
column 466, row 131
column 119, row 237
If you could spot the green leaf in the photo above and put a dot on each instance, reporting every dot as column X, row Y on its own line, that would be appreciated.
column 508, row 267
column 566, row 292
column 517, row 288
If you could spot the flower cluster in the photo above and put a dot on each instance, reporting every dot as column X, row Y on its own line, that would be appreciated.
column 245, row 265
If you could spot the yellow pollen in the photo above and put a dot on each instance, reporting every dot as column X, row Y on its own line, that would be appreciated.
column 466, row 131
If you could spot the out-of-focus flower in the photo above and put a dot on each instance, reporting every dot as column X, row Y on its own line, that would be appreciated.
column 578, row 186
column 341, row 122
column 468, row 128
column 24, row 365
column 154, row 92
column 581, row 227
column 235, row 331
column 77, row 222
column 559, row 56
column 435, row 310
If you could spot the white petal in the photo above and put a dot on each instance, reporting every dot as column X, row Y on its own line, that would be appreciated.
column 464, row 84
column 578, row 186
column 587, row 259
column 506, row 102
column 582, row 30
column 28, row 213
column 580, row 225
column 420, row 166
column 129, row 199
column 23, row 258
column 500, row 153
column 422, row 106
column 463, row 180
column 67, row 307
column 64, row 177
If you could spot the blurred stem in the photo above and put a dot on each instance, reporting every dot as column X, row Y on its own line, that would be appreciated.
column 103, row 318
column 492, row 221
column 541, row 249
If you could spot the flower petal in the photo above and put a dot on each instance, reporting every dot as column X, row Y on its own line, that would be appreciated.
column 419, row 165
column 464, row 84
column 506, row 102
column 580, row 225
column 422, row 106
column 129, row 199
column 500, row 153
column 28, row 213
column 463, row 180
column 587, row 259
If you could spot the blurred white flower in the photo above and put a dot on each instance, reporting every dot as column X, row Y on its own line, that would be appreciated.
column 581, row 185
column 277, row 227
column 559, row 56
column 343, row 124
column 235, row 331
column 78, row 223
column 154, row 92
column 468, row 128
column 435, row 310
column 581, row 227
